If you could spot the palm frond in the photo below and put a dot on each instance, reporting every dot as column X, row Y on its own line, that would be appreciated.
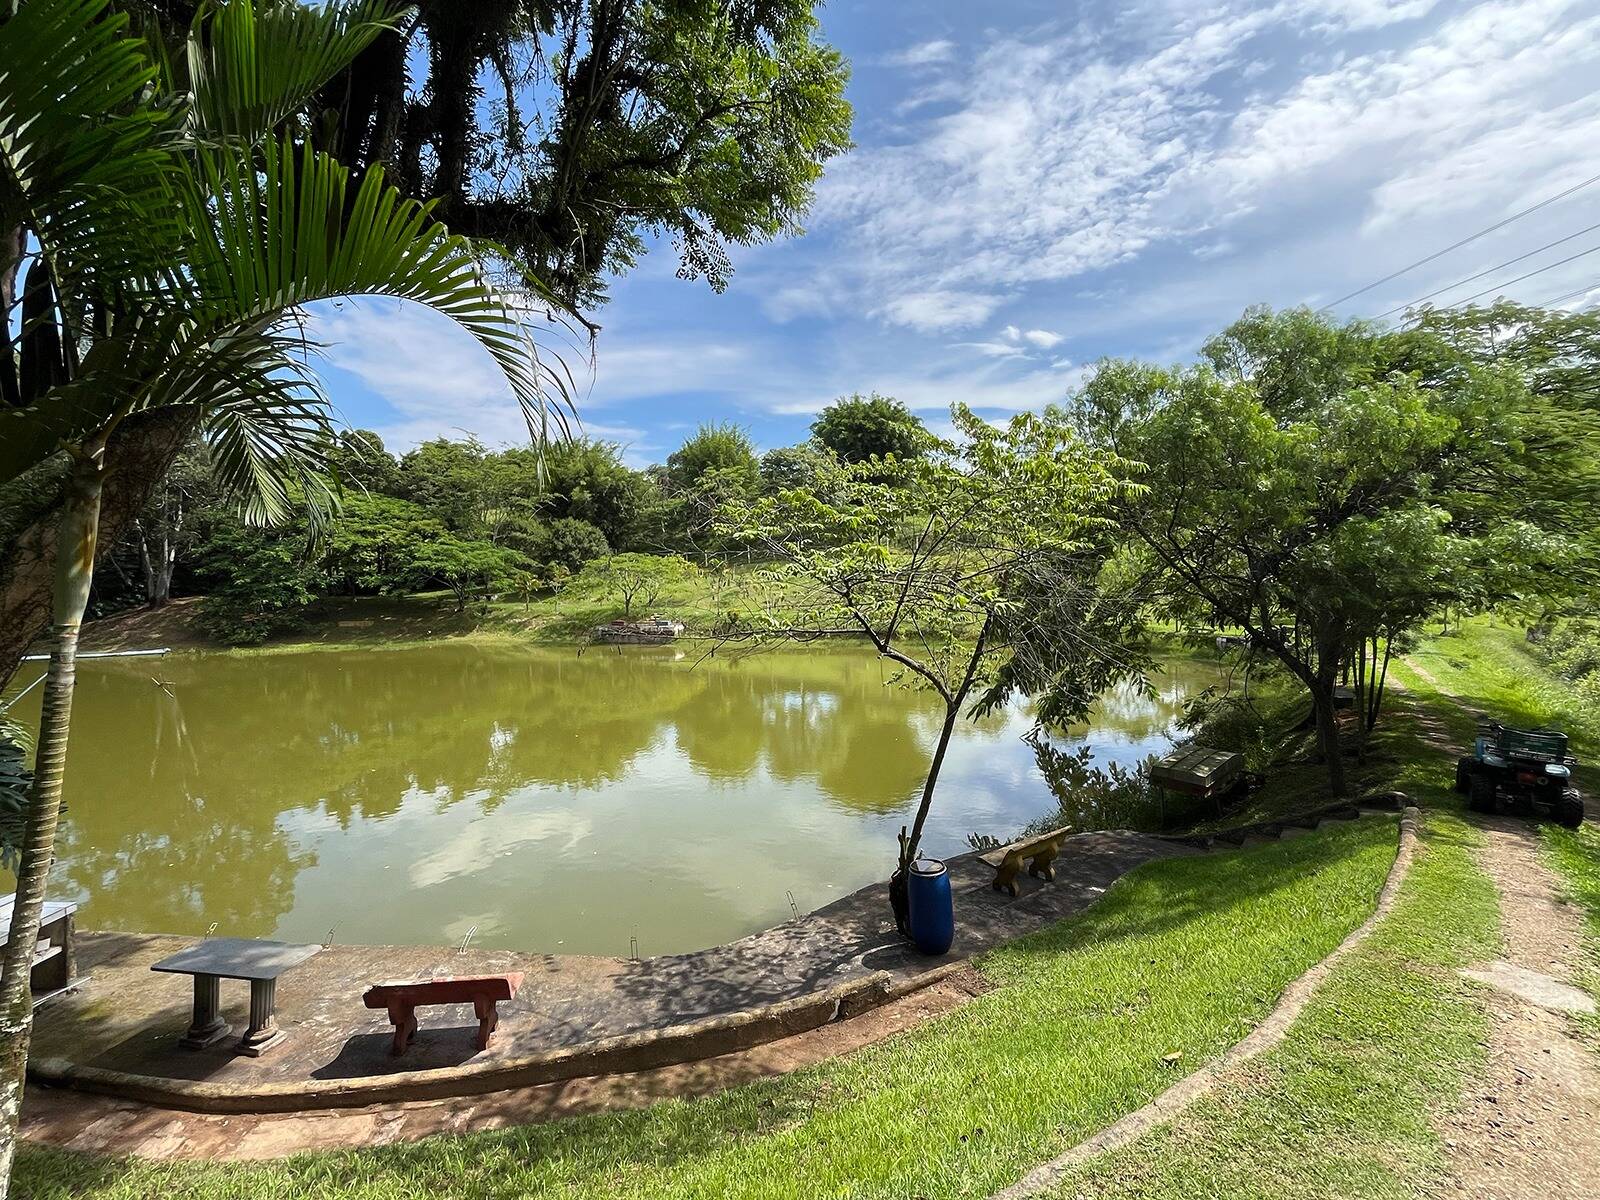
column 252, row 69
column 82, row 164
column 282, row 233
column 269, row 430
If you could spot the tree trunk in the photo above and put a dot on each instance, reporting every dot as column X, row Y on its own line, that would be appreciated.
column 74, row 562
column 1328, row 734
column 952, row 712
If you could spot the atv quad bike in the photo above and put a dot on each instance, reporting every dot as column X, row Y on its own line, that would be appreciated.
column 1527, row 770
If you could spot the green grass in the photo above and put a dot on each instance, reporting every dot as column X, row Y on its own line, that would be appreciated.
column 1345, row 1107
column 1180, row 956
column 1341, row 1109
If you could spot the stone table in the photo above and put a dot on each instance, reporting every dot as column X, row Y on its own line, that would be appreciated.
column 235, row 958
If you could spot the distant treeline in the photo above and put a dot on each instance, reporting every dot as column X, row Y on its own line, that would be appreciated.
column 458, row 515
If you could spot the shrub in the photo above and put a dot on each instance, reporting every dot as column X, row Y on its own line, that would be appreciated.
column 574, row 542
column 264, row 587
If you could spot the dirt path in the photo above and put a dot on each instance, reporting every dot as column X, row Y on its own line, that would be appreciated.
column 1528, row 1127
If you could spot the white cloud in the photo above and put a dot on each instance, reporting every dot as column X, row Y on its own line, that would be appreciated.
column 939, row 309
column 439, row 382
column 1045, row 339
column 923, row 54
column 1074, row 151
column 993, row 349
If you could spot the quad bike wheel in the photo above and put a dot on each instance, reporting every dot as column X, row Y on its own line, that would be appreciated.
column 1569, row 811
column 1480, row 795
column 1464, row 768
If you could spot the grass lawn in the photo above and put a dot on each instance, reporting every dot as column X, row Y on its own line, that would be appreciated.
column 1341, row 1109
column 1179, row 957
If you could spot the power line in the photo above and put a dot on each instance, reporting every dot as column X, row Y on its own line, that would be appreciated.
column 1572, row 295
column 1450, row 287
column 1463, row 242
column 1497, row 287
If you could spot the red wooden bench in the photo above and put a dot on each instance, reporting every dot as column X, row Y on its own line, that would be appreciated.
column 483, row 992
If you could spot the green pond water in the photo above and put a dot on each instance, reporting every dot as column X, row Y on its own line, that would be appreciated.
column 538, row 799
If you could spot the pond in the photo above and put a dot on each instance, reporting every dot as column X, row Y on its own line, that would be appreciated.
column 534, row 798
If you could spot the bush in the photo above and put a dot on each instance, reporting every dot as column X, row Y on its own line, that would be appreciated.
column 264, row 588
column 574, row 542
column 1571, row 649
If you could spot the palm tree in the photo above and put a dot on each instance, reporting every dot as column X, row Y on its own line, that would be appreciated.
column 176, row 222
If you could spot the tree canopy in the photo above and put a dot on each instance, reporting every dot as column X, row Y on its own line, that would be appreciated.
column 714, row 447
column 1323, row 486
column 572, row 131
column 858, row 427
column 978, row 568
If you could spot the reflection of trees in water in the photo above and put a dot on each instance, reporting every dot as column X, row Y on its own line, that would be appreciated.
column 171, row 860
column 175, row 799
column 856, row 739
column 1093, row 797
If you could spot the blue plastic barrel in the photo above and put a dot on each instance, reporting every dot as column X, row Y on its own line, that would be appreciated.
column 933, row 909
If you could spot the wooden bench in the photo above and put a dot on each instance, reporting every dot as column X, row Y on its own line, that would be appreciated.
column 402, row 999
column 1038, row 852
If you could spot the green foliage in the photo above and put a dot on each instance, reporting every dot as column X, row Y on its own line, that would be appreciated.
column 588, row 481
column 1326, row 486
column 265, row 586
column 978, row 568
column 359, row 461
column 16, row 778
column 706, row 125
column 574, row 543
column 723, row 448
column 789, row 467
column 858, row 428
column 975, row 567
column 373, row 543
column 1092, row 797
column 636, row 578
column 1572, row 651
column 464, row 566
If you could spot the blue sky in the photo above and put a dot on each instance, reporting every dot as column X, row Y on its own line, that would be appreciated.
column 1066, row 182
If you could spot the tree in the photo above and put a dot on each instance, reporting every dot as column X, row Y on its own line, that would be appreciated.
column 172, row 240
column 169, row 524
column 465, row 567
column 264, row 588
column 587, row 481
column 359, row 461
column 452, row 480
column 636, row 578
column 979, row 569
column 574, row 542
column 714, row 447
column 858, row 427
column 611, row 120
column 788, row 467
column 1309, row 484
column 371, row 545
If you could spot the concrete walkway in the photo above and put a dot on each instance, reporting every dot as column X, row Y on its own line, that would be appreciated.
column 574, row 1017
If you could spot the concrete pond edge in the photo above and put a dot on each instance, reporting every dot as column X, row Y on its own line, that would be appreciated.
column 1173, row 1102
column 643, row 1050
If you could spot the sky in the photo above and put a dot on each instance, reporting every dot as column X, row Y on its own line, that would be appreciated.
column 1070, row 181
